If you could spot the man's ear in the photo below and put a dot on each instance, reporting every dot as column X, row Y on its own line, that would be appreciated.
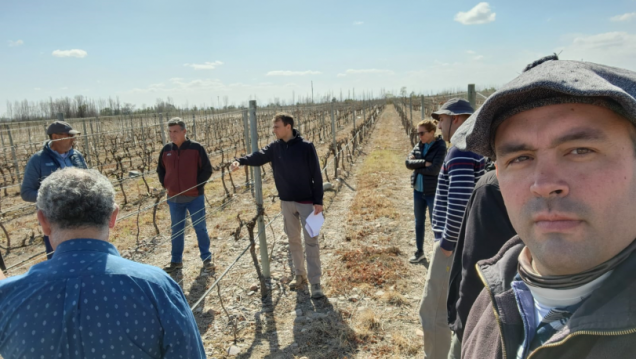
column 113, row 218
column 44, row 223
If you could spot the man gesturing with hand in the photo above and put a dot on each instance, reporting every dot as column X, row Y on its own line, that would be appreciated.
column 299, row 183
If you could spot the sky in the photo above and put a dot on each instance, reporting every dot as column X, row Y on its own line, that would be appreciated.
column 200, row 52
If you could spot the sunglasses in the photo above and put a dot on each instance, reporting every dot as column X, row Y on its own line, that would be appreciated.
column 421, row 133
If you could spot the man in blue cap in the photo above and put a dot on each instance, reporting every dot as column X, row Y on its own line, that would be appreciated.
column 460, row 172
column 564, row 138
column 57, row 153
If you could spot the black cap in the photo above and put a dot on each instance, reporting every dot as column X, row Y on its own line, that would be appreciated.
column 61, row 127
column 454, row 107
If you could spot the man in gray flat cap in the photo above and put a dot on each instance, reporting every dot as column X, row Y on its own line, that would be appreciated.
column 460, row 172
column 57, row 153
column 564, row 138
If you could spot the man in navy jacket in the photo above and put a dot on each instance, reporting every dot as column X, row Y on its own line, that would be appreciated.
column 299, row 183
column 57, row 153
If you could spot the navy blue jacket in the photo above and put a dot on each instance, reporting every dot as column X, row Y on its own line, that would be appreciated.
column 296, row 168
column 40, row 166
column 435, row 155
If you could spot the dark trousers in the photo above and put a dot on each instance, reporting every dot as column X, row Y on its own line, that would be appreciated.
column 420, row 203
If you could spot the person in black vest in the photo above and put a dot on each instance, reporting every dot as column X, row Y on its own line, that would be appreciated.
column 425, row 160
column 57, row 153
column 484, row 230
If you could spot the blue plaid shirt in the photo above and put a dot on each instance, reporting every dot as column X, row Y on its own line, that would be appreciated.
column 88, row 302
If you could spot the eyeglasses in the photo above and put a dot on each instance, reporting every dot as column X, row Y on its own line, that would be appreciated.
column 421, row 133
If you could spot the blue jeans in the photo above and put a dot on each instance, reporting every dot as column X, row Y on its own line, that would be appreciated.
column 420, row 202
column 196, row 208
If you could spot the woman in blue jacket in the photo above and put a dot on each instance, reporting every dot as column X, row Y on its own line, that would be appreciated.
column 425, row 160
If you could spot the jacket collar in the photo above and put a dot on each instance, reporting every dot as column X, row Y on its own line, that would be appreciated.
column 611, row 309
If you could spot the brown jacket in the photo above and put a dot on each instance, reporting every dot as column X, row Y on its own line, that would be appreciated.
column 604, row 326
column 184, row 170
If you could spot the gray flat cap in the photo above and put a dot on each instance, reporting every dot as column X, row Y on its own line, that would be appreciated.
column 548, row 81
column 454, row 107
column 61, row 127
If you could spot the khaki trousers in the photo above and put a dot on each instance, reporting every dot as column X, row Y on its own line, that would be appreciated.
column 294, row 216
column 433, row 311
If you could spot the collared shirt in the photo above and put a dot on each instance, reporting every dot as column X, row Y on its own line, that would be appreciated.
column 64, row 159
column 88, row 302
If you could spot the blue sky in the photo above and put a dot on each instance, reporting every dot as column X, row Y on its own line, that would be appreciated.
column 194, row 51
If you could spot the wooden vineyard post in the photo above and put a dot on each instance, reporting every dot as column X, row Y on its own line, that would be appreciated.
column 333, row 135
column 472, row 96
column 163, row 130
column 87, row 146
column 15, row 157
column 258, row 189
column 248, row 149
column 194, row 127
column 422, row 107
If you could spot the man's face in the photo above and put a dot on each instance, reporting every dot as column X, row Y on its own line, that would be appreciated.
column 280, row 130
column 444, row 124
column 568, row 177
column 177, row 135
column 63, row 141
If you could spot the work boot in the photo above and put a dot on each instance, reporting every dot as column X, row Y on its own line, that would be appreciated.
column 299, row 283
column 208, row 265
column 173, row 267
column 316, row 291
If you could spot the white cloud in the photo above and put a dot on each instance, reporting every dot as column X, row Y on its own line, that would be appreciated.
column 478, row 57
column 610, row 48
column 358, row 23
column 205, row 66
column 37, row 89
column 365, row 71
column 470, row 52
column 625, row 17
column 292, row 73
column 480, row 14
column 70, row 53
column 16, row 43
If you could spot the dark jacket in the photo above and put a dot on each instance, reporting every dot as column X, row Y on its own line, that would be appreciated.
column 435, row 155
column 604, row 326
column 184, row 170
column 484, row 230
column 296, row 168
column 40, row 166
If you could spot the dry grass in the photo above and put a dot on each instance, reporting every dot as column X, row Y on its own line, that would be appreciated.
column 375, row 267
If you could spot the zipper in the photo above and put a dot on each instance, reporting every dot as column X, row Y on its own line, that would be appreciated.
column 584, row 332
column 494, row 309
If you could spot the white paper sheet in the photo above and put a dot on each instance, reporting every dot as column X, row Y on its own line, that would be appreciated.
column 314, row 223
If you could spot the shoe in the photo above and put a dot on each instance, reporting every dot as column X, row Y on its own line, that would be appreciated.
column 208, row 265
column 299, row 283
column 316, row 291
column 417, row 257
column 173, row 267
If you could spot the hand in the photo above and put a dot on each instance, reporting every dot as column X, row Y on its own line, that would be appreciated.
column 412, row 157
column 446, row 253
column 317, row 208
column 235, row 166
column 428, row 164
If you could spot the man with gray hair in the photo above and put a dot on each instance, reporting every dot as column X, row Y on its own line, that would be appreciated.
column 88, row 302
column 564, row 138
column 184, row 168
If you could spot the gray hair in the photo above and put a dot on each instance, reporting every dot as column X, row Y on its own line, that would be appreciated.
column 177, row 121
column 76, row 198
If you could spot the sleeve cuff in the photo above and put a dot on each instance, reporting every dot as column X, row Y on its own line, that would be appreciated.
column 446, row 245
